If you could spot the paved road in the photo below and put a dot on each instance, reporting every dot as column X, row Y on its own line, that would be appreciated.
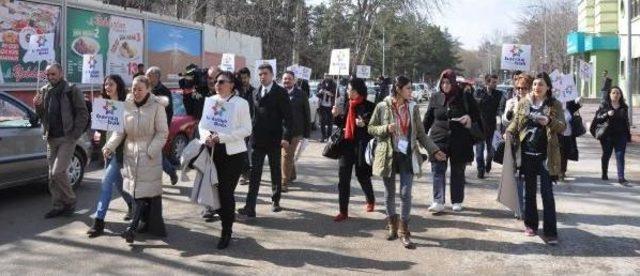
column 599, row 228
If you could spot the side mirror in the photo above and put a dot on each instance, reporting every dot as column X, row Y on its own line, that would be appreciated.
column 34, row 120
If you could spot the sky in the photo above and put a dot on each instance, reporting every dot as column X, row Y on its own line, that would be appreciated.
column 471, row 20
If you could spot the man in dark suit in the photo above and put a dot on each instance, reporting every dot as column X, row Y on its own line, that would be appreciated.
column 301, row 127
column 272, row 123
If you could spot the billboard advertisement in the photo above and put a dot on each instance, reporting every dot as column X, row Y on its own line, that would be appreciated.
column 172, row 48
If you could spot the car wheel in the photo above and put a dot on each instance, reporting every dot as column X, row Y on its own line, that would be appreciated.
column 76, row 169
column 179, row 143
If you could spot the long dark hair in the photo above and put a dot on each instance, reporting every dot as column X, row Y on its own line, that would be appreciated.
column 399, row 82
column 120, row 88
column 607, row 99
column 545, row 77
column 359, row 86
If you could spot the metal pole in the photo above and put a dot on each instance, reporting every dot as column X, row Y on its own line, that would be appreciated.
column 628, row 62
column 383, row 53
column 545, row 37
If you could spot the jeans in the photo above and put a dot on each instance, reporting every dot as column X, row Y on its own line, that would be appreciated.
column 363, row 172
column 326, row 121
column 257, row 163
column 112, row 177
column 480, row 161
column 167, row 167
column 439, row 170
column 609, row 144
column 406, row 183
column 536, row 168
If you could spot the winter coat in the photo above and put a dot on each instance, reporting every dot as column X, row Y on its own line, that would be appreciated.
column 362, row 136
column 145, row 133
column 621, row 114
column 383, row 116
column 73, row 109
column 556, row 126
column 450, row 136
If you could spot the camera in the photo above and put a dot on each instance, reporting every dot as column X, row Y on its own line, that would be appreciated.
column 194, row 78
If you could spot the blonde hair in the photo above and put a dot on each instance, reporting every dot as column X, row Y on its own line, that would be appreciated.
column 526, row 78
column 142, row 79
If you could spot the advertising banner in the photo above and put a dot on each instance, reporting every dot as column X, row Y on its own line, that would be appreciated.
column 172, row 48
column 119, row 39
column 19, row 20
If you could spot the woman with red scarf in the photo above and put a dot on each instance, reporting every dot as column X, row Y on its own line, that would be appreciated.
column 356, row 137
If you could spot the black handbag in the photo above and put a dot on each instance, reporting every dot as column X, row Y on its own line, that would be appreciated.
column 498, row 155
column 597, row 130
column 333, row 147
column 476, row 132
column 577, row 126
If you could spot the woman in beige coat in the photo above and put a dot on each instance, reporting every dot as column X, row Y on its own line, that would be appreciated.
column 145, row 133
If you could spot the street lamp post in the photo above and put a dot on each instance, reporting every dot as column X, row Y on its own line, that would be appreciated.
column 628, row 61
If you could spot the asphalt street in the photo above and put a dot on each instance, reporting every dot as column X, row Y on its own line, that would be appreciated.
column 599, row 230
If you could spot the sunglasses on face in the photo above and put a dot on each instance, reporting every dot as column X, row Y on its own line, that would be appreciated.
column 522, row 88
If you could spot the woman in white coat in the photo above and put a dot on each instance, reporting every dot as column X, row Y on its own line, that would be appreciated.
column 228, row 146
column 145, row 133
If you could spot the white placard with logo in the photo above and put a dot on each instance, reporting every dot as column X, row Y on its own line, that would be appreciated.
column 107, row 115
column 40, row 48
column 363, row 71
column 228, row 62
column 92, row 72
column 272, row 62
column 516, row 57
column 339, row 65
column 216, row 115
column 586, row 70
column 305, row 72
column 567, row 90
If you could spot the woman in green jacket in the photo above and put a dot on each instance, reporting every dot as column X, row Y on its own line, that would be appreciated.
column 397, row 126
column 538, row 120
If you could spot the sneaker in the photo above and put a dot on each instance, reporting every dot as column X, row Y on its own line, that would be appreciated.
column 457, row 207
column 370, row 207
column 340, row 217
column 276, row 208
column 623, row 181
column 245, row 213
column 551, row 240
column 436, row 208
column 480, row 174
column 529, row 232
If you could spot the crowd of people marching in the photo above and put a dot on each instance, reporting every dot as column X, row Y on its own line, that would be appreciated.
column 272, row 120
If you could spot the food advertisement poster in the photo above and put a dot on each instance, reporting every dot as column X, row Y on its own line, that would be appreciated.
column 172, row 48
column 119, row 39
column 19, row 20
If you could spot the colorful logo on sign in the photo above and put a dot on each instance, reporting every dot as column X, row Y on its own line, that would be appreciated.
column 41, row 41
column 92, row 62
column 109, row 108
column 218, row 109
column 516, row 51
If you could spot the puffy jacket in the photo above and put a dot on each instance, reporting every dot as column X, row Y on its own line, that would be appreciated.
column 145, row 133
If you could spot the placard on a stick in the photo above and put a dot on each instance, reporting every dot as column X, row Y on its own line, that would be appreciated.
column 107, row 115
column 339, row 65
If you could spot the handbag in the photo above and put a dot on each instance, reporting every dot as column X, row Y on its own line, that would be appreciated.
column 370, row 152
column 333, row 147
column 577, row 126
column 597, row 130
column 476, row 132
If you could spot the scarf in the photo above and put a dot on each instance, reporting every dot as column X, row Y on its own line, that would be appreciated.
column 350, row 129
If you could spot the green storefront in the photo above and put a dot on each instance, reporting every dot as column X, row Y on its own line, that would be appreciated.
column 602, row 52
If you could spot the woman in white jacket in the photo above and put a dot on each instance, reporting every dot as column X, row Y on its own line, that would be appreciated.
column 145, row 133
column 228, row 146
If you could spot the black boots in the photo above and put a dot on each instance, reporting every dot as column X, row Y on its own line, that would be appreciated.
column 97, row 229
column 128, row 235
column 405, row 236
column 129, row 214
column 224, row 241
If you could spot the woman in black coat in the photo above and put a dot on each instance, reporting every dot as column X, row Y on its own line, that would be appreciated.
column 568, row 143
column 614, row 110
column 354, row 122
column 450, row 115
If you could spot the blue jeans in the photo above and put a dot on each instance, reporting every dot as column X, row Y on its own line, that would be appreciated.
column 112, row 177
column 439, row 170
column 406, row 183
column 167, row 167
column 480, row 147
column 536, row 167
column 609, row 144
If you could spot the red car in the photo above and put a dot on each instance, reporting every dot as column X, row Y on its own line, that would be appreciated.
column 182, row 129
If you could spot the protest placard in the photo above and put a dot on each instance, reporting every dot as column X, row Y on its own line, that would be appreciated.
column 92, row 72
column 216, row 115
column 228, row 62
column 107, row 115
column 339, row 65
column 516, row 57
column 363, row 71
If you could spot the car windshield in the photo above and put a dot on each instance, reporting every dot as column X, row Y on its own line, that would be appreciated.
column 178, row 104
